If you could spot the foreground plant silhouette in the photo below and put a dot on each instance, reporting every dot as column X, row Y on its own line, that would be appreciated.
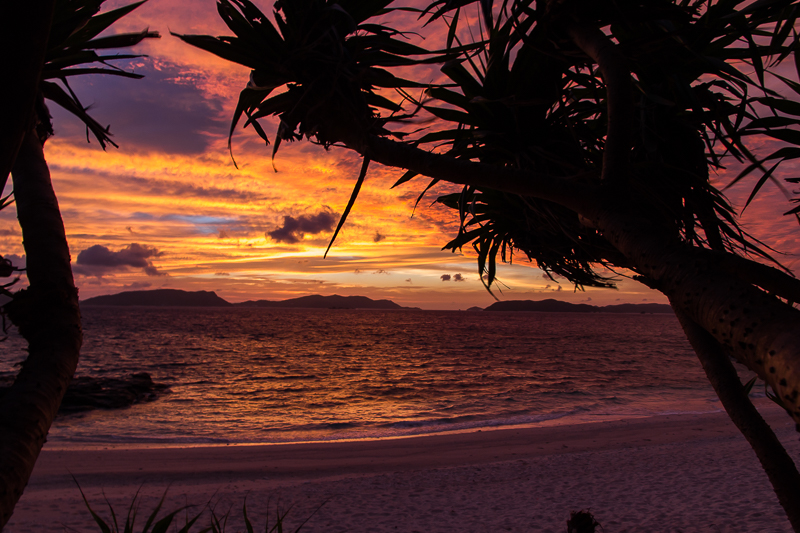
column 584, row 133
column 217, row 524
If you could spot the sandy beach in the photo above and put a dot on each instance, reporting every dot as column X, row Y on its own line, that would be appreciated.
column 659, row 474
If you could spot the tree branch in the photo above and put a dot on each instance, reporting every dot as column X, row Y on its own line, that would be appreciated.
column 617, row 76
column 482, row 176
column 768, row 278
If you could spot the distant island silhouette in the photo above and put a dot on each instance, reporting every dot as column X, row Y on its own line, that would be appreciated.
column 557, row 306
column 180, row 298
column 317, row 301
column 160, row 298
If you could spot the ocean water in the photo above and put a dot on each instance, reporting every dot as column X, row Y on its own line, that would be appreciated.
column 266, row 375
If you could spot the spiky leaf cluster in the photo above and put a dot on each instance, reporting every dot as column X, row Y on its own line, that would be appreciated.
column 318, row 68
column 522, row 94
column 531, row 99
column 74, row 49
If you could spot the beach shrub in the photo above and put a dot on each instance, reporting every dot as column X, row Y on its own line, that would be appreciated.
column 216, row 524
column 159, row 526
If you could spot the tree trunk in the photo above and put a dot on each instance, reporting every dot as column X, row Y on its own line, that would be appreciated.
column 758, row 329
column 48, row 317
column 24, row 28
column 777, row 464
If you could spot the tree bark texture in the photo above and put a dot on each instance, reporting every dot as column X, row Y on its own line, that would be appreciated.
column 759, row 330
column 24, row 30
column 48, row 317
column 777, row 464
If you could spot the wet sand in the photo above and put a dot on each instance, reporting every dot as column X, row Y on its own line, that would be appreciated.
column 659, row 474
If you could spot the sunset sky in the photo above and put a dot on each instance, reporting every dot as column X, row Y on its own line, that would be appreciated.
column 168, row 209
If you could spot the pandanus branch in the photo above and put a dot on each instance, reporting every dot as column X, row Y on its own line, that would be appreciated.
column 613, row 66
column 465, row 172
column 771, row 279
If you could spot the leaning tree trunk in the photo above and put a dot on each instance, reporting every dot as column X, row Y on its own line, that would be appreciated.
column 48, row 317
column 775, row 461
column 758, row 329
column 723, row 311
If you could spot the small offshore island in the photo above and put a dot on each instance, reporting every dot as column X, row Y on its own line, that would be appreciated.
column 557, row 306
column 181, row 298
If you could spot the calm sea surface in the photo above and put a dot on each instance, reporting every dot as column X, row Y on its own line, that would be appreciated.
column 263, row 375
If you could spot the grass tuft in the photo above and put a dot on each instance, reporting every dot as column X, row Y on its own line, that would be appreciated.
column 217, row 523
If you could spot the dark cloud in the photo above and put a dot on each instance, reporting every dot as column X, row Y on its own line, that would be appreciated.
column 223, row 234
column 163, row 112
column 98, row 260
column 134, row 255
column 445, row 277
column 293, row 228
column 378, row 237
column 458, row 277
column 221, row 274
column 408, row 280
column 8, row 232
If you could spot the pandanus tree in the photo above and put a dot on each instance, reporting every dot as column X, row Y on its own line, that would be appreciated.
column 583, row 133
column 47, row 313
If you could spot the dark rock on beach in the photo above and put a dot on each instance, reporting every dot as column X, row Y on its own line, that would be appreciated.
column 86, row 393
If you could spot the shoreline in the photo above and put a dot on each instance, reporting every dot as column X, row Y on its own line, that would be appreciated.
column 557, row 421
column 691, row 472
